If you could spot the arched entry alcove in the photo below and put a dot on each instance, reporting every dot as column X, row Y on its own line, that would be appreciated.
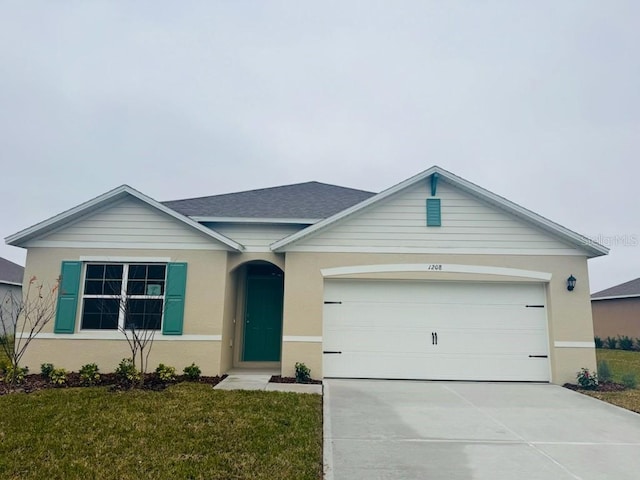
column 259, row 314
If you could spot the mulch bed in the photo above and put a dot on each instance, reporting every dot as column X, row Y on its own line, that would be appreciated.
column 35, row 382
column 279, row 379
column 602, row 387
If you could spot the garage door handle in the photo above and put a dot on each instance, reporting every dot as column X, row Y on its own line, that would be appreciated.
column 538, row 356
column 434, row 338
column 331, row 352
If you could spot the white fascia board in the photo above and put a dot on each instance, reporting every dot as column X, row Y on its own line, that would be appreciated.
column 580, row 241
column 280, row 221
column 615, row 297
column 102, row 200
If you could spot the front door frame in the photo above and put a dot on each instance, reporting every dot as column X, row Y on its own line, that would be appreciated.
column 243, row 272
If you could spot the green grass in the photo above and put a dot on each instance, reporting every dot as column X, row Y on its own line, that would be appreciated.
column 187, row 431
column 620, row 362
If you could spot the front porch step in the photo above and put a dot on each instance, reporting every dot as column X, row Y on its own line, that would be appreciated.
column 249, row 381
column 244, row 381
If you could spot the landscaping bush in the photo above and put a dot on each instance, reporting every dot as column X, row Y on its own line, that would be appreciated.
column 165, row 373
column 15, row 375
column 604, row 372
column 629, row 380
column 192, row 372
column 127, row 373
column 58, row 377
column 611, row 342
column 638, row 343
column 598, row 341
column 586, row 379
column 4, row 364
column 303, row 373
column 46, row 369
column 625, row 342
column 89, row 374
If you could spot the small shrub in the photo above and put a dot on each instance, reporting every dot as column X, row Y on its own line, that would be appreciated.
column 625, row 342
column 58, row 377
column 586, row 379
column 165, row 373
column 127, row 372
column 192, row 372
column 629, row 380
column 604, row 371
column 638, row 343
column 598, row 341
column 611, row 342
column 89, row 374
column 46, row 369
column 4, row 364
column 303, row 373
column 15, row 375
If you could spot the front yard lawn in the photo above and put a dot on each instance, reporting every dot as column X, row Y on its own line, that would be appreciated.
column 620, row 362
column 187, row 431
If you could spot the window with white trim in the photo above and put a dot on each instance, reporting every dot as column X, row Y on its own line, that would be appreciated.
column 120, row 295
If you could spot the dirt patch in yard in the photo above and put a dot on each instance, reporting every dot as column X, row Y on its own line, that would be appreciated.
column 279, row 379
column 602, row 387
column 36, row 382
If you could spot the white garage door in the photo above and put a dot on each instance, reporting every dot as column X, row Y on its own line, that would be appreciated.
column 436, row 331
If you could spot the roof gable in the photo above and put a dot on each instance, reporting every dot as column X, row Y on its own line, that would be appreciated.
column 568, row 237
column 304, row 202
column 97, row 204
column 624, row 290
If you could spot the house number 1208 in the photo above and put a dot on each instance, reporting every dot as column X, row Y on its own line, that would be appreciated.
column 434, row 266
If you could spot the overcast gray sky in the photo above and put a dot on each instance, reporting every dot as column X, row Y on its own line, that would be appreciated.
column 536, row 101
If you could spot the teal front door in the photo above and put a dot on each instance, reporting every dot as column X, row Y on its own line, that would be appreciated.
column 263, row 318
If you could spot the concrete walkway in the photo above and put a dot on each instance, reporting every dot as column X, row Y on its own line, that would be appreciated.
column 455, row 430
column 252, row 380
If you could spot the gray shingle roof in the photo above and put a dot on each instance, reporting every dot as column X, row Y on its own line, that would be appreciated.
column 627, row 289
column 10, row 272
column 301, row 200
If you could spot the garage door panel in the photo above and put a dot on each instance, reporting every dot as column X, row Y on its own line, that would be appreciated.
column 484, row 331
column 416, row 316
column 432, row 293
column 434, row 367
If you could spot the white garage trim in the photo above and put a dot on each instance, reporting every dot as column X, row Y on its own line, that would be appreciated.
column 574, row 345
column 435, row 268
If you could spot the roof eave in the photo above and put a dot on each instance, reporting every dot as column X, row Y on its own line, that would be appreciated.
column 18, row 239
column 593, row 249
column 268, row 220
column 616, row 297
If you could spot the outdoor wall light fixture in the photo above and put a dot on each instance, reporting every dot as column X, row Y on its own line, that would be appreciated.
column 571, row 283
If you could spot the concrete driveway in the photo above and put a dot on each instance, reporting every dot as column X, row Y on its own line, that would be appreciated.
column 379, row 429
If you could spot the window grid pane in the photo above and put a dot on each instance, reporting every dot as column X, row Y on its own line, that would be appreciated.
column 106, row 281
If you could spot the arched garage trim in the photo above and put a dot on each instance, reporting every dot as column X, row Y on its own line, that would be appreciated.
column 435, row 268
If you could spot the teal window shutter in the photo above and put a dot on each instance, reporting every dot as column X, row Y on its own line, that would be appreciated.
column 433, row 212
column 174, row 298
column 68, row 297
